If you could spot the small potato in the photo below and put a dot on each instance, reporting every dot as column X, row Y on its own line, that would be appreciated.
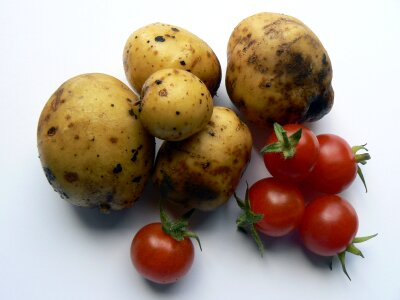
column 174, row 104
column 204, row 170
column 278, row 71
column 159, row 46
column 93, row 149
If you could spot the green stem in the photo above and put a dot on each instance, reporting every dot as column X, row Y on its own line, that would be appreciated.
column 361, row 159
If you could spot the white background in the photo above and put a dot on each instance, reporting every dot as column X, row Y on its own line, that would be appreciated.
column 51, row 250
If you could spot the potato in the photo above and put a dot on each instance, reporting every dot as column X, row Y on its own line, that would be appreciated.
column 159, row 46
column 204, row 170
column 278, row 71
column 93, row 149
column 174, row 104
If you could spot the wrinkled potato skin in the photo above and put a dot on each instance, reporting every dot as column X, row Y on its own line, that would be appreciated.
column 278, row 71
column 93, row 149
column 159, row 46
column 204, row 170
column 174, row 104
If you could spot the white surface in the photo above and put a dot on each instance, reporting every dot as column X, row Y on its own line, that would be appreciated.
column 51, row 250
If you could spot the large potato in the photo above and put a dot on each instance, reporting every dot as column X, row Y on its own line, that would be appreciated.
column 204, row 170
column 278, row 70
column 174, row 104
column 158, row 46
column 93, row 148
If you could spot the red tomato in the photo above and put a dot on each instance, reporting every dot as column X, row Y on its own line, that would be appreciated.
column 329, row 225
column 299, row 166
column 336, row 167
column 159, row 257
column 281, row 203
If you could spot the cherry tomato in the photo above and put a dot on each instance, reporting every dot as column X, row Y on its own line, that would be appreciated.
column 159, row 257
column 281, row 203
column 329, row 225
column 336, row 166
column 302, row 154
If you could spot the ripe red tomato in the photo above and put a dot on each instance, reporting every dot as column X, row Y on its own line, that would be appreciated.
column 329, row 225
column 281, row 204
column 336, row 166
column 159, row 257
column 305, row 153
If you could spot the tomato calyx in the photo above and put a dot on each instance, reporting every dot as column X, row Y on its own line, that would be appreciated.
column 361, row 158
column 353, row 250
column 248, row 218
column 178, row 229
column 285, row 144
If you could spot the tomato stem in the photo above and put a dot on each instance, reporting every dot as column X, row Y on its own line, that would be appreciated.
column 361, row 159
column 285, row 144
column 177, row 229
column 353, row 250
column 248, row 219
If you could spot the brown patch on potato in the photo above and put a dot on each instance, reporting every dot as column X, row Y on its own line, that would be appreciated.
column 163, row 93
column 113, row 140
column 52, row 131
column 71, row 176
column 57, row 98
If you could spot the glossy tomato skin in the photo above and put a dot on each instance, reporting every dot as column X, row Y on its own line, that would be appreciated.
column 301, row 164
column 281, row 203
column 160, row 258
column 329, row 225
column 336, row 166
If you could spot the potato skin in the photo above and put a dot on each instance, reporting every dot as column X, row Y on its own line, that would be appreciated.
column 93, row 149
column 204, row 170
column 278, row 71
column 174, row 104
column 158, row 46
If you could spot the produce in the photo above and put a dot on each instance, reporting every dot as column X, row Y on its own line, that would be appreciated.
column 291, row 152
column 272, row 206
column 93, row 149
column 162, row 252
column 204, row 170
column 159, row 46
column 278, row 70
column 337, row 165
column 174, row 104
column 329, row 227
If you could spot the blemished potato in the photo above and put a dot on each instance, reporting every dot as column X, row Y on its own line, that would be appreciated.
column 174, row 104
column 278, row 71
column 92, row 146
column 159, row 46
column 204, row 170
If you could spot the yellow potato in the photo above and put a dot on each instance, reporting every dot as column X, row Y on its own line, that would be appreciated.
column 204, row 170
column 159, row 46
column 93, row 149
column 278, row 70
column 174, row 104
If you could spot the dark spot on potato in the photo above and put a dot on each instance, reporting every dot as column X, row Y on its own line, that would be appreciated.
column 148, row 41
column 159, row 38
column 137, row 179
column 98, row 155
column 199, row 191
column 112, row 104
column 163, row 93
column 175, row 29
column 113, row 140
column 299, row 67
column 109, row 196
column 211, row 133
column 183, row 63
column 158, row 81
column 117, row 169
column 166, row 186
column 135, row 153
column 324, row 60
column 319, row 105
column 205, row 165
column 49, row 174
column 177, row 113
column 71, row 176
column 93, row 139
column 132, row 113
column 70, row 125
column 67, row 117
column 129, row 100
column 52, row 131
column 76, row 137
column 57, row 99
